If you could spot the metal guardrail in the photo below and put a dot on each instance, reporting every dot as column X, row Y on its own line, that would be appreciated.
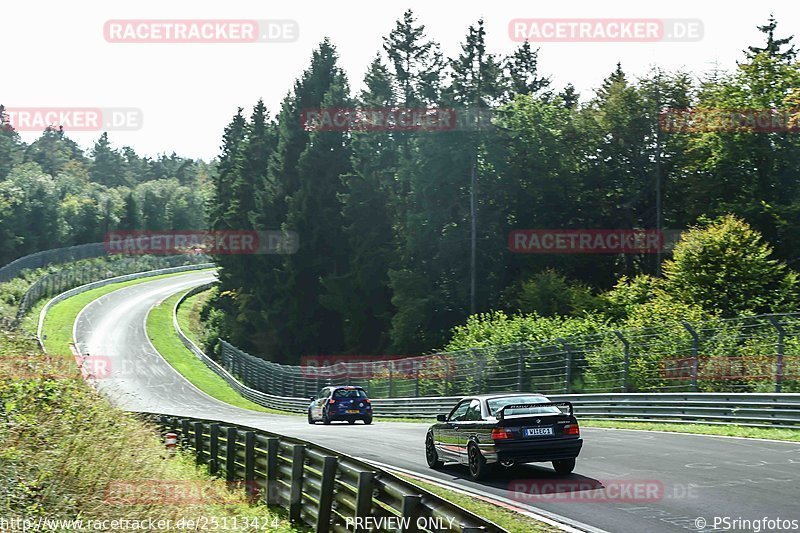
column 323, row 489
column 746, row 409
column 282, row 403
column 57, row 282
column 108, row 281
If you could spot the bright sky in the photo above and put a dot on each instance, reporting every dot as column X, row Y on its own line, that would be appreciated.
column 55, row 53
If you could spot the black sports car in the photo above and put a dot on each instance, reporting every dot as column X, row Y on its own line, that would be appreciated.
column 484, row 431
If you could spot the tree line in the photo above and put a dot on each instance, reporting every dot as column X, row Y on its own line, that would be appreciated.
column 53, row 194
column 383, row 217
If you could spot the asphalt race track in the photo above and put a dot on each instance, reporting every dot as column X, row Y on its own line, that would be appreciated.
column 667, row 480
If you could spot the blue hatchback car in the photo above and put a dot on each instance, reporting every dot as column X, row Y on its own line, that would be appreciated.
column 340, row 403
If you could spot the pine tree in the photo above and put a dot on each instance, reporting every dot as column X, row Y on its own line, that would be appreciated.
column 773, row 47
column 360, row 295
column 416, row 62
column 107, row 166
column 522, row 71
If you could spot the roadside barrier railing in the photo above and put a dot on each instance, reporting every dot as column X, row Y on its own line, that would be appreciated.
column 103, row 282
column 57, row 282
column 286, row 388
column 322, row 489
column 757, row 354
column 49, row 257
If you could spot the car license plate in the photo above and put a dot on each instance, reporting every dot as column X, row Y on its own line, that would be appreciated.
column 537, row 432
column 352, row 411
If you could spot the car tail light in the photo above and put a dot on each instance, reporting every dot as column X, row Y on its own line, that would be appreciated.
column 331, row 401
column 501, row 433
column 367, row 400
column 572, row 429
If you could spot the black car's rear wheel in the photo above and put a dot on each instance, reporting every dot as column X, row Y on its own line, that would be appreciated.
column 430, row 454
column 564, row 466
column 478, row 467
column 310, row 419
column 368, row 420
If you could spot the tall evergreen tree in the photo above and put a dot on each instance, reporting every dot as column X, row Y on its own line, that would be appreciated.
column 522, row 71
column 773, row 48
column 107, row 166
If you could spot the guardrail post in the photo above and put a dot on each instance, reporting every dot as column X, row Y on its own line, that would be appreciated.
column 230, row 454
column 520, row 368
column 366, row 485
column 626, row 363
column 185, row 430
column 198, row 442
column 213, row 450
column 296, row 494
column 695, row 352
column 272, row 471
column 567, row 365
column 326, row 494
column 779, row 357
column 410, row 511
column 250, row 463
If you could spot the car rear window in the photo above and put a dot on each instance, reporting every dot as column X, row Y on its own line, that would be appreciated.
column 495, row 404
column 349, row 393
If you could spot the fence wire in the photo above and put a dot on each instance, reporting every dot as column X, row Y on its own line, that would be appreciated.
column 51, row 257
column 752, row 354
column 68, row 278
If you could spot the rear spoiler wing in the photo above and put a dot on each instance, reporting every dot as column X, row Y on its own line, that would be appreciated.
column 501, row 413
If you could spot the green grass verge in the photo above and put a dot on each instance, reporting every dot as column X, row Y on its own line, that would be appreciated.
column 57, row 330
column 162, row 334
column 505, row 518
column 189, row 315
column 700, row 429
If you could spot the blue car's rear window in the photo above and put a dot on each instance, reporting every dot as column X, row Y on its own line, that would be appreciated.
column 349, row 393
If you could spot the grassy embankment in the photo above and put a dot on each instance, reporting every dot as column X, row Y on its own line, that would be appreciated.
column 66, row 453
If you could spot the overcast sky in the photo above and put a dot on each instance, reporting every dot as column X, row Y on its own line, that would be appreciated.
column 55, row 53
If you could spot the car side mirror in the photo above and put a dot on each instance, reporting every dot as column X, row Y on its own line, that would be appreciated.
column 441, row 418
column 311, row 398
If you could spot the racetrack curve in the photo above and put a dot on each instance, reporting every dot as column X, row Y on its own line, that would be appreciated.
column 694, row 476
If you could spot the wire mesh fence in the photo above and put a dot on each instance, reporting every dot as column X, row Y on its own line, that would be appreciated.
column 751, row 354
column 68, row 278
column 51, row 257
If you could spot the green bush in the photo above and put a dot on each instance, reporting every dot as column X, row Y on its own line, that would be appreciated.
column 726, row 268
